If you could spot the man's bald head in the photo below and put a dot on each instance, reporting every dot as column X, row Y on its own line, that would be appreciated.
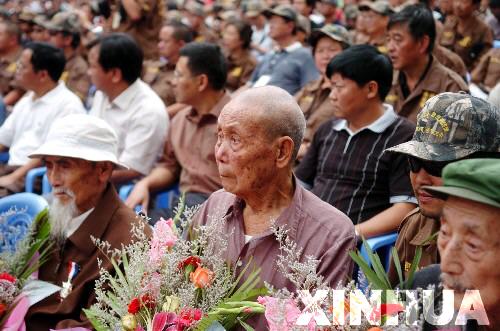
column 275, row 111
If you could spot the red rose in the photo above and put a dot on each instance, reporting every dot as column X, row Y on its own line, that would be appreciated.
column 134, row 306
column 187, row 317
column 147, row 301
column 192, row 260
column 7, row 277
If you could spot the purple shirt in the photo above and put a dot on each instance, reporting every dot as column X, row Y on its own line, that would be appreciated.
column 319, row 228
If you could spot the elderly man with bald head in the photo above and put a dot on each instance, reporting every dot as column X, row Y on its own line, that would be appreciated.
column 259, row 135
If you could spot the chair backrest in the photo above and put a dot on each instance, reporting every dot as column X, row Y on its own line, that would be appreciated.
column 16, row 215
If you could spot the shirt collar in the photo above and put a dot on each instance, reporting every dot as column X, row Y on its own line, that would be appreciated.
column 193, row 116
column 378, row 126
column 51, row 95
column 125, row 98
column 75, row 223
column 290, row 48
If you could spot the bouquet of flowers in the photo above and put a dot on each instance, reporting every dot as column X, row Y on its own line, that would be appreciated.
column 171, row 283
column 20, row 257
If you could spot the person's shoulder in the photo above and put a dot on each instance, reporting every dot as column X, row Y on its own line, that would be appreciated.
column 221, row 198
column 123, row 220
column 404, row 125
column 150, row 99
column 410, row 220
column 323, row 215
column 447, row 75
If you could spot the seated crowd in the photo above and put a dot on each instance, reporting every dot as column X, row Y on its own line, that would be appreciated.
column 336, row 121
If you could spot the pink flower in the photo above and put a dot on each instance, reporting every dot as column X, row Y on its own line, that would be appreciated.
column 281, row 314
column 164, row 321
column 164, row 237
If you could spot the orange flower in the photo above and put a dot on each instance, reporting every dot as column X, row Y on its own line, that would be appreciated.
column 201, row 277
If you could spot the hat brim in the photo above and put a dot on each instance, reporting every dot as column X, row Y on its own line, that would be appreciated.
column 269, row 12
column 84, row 153
column 317, row 34
column 432, row 152
column 445, row 191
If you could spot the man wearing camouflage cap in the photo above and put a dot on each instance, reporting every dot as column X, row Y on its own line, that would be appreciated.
column 468, row 242
column 290, row 66
column 64, row 30
column 450, row 127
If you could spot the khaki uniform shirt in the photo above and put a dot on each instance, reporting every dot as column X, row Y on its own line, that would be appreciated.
column 190, row 149
column 415, row 230
column 159, row 76
column 450, row 60
column 145, row 31
column 239, row 70
column 206, row 35
column 317, row 108
column 75, row 76
column 487, row 72
column 8, row 67
column 471, row 44
column 438, row 79
column 380, row 43
column 110, row 221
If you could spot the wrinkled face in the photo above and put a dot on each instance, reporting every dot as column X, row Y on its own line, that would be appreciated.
column 279, row 27
column 402, row 47
column 25, row 74
column 326, row 49
column 231, row 38
column 347, row 98
column 245, row 156
column 76, row 175
column 430, row 206
column 469, row 246
column 184, row 82
column 168, row 46
column 375, row 22
column 100, row 78
column 463, row 8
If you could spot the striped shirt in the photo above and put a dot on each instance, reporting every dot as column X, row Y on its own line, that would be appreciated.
column 351, row 171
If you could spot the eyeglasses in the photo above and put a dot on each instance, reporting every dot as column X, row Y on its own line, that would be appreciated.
column 431, row 167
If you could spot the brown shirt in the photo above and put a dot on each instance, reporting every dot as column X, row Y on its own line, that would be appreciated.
column 321, row 230
column 450, row 60
column 145, row 30
column 239, row 70
column 436, row 80
column 415, row 230
column 75, row 76
column 317, row 108
column 190, row 149
column 8, row 67
column 205, row 34
column 487, row 72
column 110, row 221
column 159, row 76
column 471, row 43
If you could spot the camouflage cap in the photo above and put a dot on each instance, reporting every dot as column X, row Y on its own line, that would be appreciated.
column 334, row 31
column 285, row 11
column 195, row 8
column 64, row 22
column 304, row 24
column 381, row 7
column 452, row 126
column 476, row 179
column 26, row 15
column 254, row 9
column 40, row 20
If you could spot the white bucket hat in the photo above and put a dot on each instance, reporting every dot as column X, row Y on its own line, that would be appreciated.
column 81, row 136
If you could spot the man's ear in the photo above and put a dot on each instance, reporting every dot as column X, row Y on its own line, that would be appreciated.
column 116, row 75
column 372, row 88
column 284, row 151
column 202, row 82
column 105, row 169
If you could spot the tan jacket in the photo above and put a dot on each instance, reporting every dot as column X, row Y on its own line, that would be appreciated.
column 487, row 72
column 415, row 230
column 239, row 70
column 75, row 76
column 8, row 67
column 450, row 60
column 438, row 79
column 159, row 76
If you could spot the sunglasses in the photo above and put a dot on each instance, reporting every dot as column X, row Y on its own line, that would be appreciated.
column 431, row 167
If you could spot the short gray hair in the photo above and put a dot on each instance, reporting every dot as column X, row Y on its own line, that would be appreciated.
column 281, row 113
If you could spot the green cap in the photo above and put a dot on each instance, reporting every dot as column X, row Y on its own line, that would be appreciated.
column 64, row 22
column 475, row 179
column 452, row 126
column 333, row 31
column 285, row 11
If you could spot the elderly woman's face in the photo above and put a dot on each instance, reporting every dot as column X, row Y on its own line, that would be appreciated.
column 245, row 156
column 469, row 246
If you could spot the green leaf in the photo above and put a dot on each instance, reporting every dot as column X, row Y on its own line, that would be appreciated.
column 372, row 277
column 245, row 325
column 397, row 265
column 377, row 265
column 93, row 319
column 414, row 266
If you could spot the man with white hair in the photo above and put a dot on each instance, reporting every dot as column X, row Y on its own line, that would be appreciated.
column 80, row 153
column 259, row 135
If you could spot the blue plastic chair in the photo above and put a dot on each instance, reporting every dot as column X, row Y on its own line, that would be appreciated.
column 496, row 44
column 4, row 157
column 163, row 199
column 31, row 177
column 17, row 211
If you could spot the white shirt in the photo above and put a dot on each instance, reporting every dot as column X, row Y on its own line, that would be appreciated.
column 75, row 223
column 27, row 127
column 140, row 119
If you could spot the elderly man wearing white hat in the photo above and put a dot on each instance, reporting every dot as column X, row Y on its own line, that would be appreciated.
column 80, row 153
